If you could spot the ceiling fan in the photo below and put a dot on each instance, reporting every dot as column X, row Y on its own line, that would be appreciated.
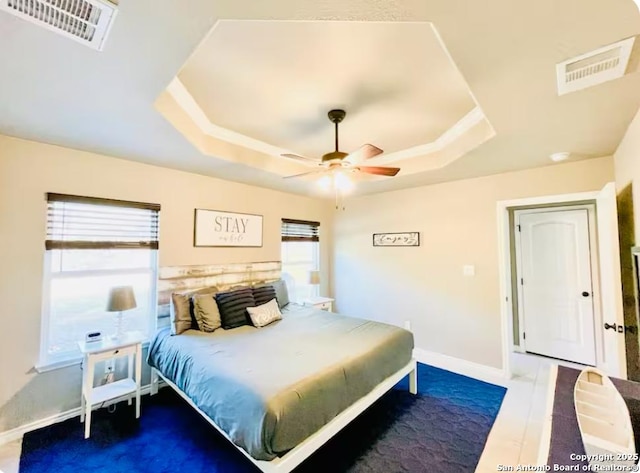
column 337, row 160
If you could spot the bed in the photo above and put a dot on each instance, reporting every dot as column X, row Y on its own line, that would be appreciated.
column 281, row 391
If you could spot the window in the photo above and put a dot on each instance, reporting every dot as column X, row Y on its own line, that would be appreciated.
column 300, row 255
column 93, row 245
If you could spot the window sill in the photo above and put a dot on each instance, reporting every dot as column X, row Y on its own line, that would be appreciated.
column 76, row 360
column 56, row 365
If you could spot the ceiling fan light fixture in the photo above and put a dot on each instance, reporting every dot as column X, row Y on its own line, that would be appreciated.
column 337, row 181
column 343, row 182
column 561, row 156
column 325, row 183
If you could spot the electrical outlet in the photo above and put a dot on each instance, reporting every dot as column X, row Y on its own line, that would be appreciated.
column 109, row 372
column 108, row 378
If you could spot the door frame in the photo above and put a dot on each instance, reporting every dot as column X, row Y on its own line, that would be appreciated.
column 594, row 267
column 609, row 277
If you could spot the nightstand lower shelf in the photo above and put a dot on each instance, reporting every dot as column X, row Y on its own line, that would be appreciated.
column 113, row 390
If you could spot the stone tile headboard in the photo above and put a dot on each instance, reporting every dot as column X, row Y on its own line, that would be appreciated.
column 223, row 276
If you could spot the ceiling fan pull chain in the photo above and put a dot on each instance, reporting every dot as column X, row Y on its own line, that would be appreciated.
column 339, row 197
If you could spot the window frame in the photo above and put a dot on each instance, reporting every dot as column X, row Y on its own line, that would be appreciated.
column 46, row 362
column 302, row 235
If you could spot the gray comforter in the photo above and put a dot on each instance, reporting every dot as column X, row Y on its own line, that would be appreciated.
column 270, row 388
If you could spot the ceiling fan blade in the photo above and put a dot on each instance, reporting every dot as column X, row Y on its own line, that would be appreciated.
column 363, row 153
column 304, row 174
column 297, row 157
column 381, row 171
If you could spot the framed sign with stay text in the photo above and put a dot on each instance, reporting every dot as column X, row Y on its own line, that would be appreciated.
column 217, row 228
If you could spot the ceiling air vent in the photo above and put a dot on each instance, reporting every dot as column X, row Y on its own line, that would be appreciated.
column 602, row 65
column 86, row 21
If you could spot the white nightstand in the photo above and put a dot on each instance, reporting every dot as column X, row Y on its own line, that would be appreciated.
column 322, row 303
column 129, row 345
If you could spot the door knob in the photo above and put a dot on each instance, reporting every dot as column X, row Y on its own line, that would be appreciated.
column 585, row 294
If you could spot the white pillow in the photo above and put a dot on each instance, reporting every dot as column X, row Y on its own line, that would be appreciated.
column 265, row 314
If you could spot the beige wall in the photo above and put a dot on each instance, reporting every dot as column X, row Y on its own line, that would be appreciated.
column 450, row 314
column 627, row 167
column 28, row 170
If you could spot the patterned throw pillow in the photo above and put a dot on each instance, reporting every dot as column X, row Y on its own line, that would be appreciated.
column 265, row 314
column 233, row 307
column 263, row 294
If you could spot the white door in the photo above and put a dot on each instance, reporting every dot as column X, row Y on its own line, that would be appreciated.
column 614, row 360
column 556, row 296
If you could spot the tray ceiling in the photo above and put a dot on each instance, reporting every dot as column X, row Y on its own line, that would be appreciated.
column 275, row 81
column 57, row 91
column 268, row 85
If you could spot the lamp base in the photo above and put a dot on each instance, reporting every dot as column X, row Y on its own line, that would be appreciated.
column 119, row 331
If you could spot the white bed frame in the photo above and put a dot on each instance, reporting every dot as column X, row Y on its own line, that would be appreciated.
column 297, row 455
column 179, row 278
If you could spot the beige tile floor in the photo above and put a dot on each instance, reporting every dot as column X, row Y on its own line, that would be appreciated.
column 10, row 456
column 514, row 438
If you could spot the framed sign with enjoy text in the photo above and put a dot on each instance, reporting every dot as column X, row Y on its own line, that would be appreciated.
column 216, row 228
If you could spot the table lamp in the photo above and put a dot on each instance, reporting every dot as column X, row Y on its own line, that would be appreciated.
column 314, row 278
column 121, row 298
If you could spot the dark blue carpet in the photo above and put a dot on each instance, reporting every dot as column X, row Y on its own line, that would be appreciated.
column 443, row 430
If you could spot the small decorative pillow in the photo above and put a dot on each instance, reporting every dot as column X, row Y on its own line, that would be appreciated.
column 180, row 311
column 233, row 307
column 265, row 314
column 205, row 310
column 263, row 294
column 282, row 295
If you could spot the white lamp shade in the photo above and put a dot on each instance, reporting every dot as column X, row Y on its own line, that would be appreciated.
column 314, row 277
column 121, row 298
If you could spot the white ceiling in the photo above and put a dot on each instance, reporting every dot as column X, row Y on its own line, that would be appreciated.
column 275, row 81
column 55, row 90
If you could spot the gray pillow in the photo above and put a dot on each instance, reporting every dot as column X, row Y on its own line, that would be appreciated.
column 180, row 311
column 282, row 294
column 205, row 310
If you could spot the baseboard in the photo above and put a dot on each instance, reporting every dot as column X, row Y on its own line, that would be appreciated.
column 460, row 366
column 18, row 432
